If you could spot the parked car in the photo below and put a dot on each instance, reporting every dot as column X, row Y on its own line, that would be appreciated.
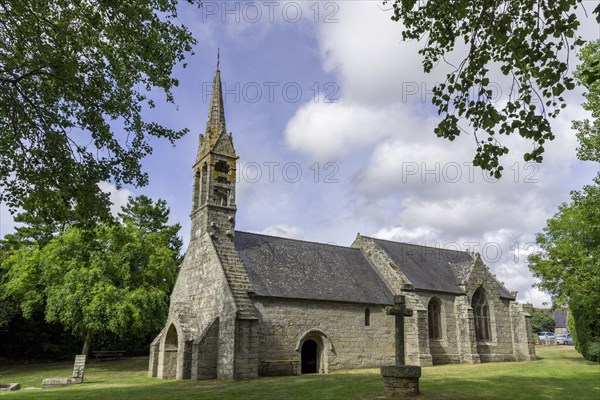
column 546, row 335
column 564, row 338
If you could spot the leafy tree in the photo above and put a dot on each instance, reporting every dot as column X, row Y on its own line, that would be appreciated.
column 8, row 311
column 39, row 224
column 542, row 322
column 573, row 331
column 111, row 279
column 586, row 326
column 568, row 264
column 8, row 307
column 143, row 213
column 588, row 75
column 75, row 79
column 527, row 40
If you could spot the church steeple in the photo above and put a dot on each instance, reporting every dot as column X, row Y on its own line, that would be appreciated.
column 216, row 127
column 216, row 112
column 213, row 201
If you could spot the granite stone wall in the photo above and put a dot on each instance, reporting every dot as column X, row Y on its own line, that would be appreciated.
column 444, row 350
column 512, row 337
column 338, row 328
column 415, row 330
column 508, row 342
column 201, row 295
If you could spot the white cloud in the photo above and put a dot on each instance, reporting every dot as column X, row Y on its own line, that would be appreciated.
column 419, row 235
column 118, row 197
column 537, row 298
column 328, row 131
column 283, row 230
column 503, row 250
column 374, row 63
column 7, row 224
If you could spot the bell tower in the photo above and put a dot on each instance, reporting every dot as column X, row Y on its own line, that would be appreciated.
column 213, row 201
column 212, row 319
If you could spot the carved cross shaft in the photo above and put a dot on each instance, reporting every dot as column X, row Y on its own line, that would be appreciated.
column 400, row 311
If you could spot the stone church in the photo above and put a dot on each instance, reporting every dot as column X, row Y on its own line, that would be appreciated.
column 247, row 304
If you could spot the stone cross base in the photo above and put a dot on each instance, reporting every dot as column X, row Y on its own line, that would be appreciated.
column 401, row 381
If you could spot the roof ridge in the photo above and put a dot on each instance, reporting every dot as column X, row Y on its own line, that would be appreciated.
column 298, row 240
column 417, row 245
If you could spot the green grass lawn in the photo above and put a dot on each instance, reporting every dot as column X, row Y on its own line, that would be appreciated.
column 560, row 373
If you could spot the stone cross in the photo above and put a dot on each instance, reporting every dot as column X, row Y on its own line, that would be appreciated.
column 400, row 311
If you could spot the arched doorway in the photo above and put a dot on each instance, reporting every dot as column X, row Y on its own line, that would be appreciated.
column 170, row 353
column 313, row 347
column 309, row 354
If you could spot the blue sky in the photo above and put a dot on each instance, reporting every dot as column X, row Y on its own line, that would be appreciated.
column 331, row 118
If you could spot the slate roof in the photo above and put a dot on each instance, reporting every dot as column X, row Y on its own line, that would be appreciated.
column 560, row 318
column 428, row 268
column 281, row 267
column 432, row 268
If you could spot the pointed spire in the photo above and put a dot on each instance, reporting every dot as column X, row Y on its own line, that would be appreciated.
column 216, row 112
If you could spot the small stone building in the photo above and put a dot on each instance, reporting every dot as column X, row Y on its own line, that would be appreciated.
column 247, row 304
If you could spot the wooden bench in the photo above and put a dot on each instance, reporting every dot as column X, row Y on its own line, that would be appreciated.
column 109, row 354
column 293, row 364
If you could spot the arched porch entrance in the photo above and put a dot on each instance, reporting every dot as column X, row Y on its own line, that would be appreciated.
column 169, row 353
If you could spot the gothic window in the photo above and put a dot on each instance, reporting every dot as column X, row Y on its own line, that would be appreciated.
column 196, row 192
column 222, row 179
column 481, row 311
column 203, row 184
column 222, row 166
column 435, row 318
column 367, row 317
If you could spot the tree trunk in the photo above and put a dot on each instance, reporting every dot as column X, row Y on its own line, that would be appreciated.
column 86, row 343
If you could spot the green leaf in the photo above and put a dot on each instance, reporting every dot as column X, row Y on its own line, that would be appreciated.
column 74, row 78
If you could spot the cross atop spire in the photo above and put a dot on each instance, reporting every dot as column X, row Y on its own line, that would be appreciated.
column 216, row 112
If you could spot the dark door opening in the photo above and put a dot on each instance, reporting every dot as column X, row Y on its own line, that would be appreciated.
column 309, row 357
